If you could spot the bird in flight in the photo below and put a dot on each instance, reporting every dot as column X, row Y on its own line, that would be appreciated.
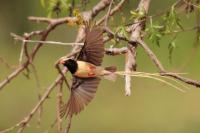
column 86, row 71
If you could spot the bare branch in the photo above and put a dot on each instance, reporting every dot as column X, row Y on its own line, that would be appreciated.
column 116, row 51
column 44, row 33
column 57, row 21
column 59, row 105
column 13, row 75
column 152, row 55
column 52, row 23
column 38, row 86
column 163, row 72
column 44, row 97
column 131, row 54
column 63, row 75
column 108, row 14
column 183, row 79
column 88, row 15
column 22, row 124
column 112, row 12
column 68, row 124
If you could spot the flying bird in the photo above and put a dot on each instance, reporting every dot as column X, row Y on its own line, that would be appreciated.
column 86, row 71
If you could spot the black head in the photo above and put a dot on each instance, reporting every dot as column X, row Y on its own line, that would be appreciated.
column 71, row 65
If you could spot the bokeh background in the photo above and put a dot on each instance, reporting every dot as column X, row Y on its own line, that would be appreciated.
column 153, row 107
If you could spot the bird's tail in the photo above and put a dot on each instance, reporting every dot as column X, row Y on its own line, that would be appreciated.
column 110, row 74
column 111, row 69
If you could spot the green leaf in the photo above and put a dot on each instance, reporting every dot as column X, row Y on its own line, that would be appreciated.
column 137, row 14
column 121, row 30
column 56, row 7
column 171, row 20
column 171, row 47
column 155, row 33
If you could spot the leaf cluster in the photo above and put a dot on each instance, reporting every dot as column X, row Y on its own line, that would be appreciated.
column 56, row 7
column 168, row 23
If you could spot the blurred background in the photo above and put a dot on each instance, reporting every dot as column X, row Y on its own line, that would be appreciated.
column 153, row 107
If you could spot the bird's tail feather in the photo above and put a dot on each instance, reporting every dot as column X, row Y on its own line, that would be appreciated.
column 111, row 75
column 111, row 68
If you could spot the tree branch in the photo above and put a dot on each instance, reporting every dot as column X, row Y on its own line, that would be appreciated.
column 136, row 29
column 151, row 55
column 112, row 12
column 22, row 124
column 116, row 51
column 26, row 120
column 52, row 24
column 163, row 72
column 59, row 105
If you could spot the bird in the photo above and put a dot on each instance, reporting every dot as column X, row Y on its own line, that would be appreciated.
column 86, row 71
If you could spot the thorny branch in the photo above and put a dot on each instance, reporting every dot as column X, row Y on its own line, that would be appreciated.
column 130, row 51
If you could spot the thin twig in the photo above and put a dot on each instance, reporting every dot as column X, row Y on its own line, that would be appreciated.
column 22, row 124
column 68, row 124
column 52, row 23
column 151, row 55
column 163, row 72
column 15, row 73
column 108, row 14
column 38, row 86
column 44, row 97
column 64, row 78
column 112, row 12
column 59, row 105
column 116, row 51
column 21, row 53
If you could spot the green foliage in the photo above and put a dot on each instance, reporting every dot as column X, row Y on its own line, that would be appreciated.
column 171, row 21
column 154, row 33
column 137, row 14
column 56, row 6
column 171, row 47
column 77, row 14
column 166, row 26
column 121, row 30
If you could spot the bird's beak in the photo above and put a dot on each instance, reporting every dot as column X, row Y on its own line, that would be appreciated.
column 62, row 60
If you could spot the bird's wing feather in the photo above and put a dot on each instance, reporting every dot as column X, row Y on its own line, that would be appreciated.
column 83, row 89
column 93, row 50
column 81, row 95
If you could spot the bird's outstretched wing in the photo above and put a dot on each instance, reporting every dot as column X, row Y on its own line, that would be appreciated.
column 83, row 89
column 93, row 49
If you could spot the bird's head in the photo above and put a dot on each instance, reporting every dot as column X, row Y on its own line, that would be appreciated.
column 71, row 64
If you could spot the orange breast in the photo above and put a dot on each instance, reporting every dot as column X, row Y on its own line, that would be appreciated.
column 85, row 70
